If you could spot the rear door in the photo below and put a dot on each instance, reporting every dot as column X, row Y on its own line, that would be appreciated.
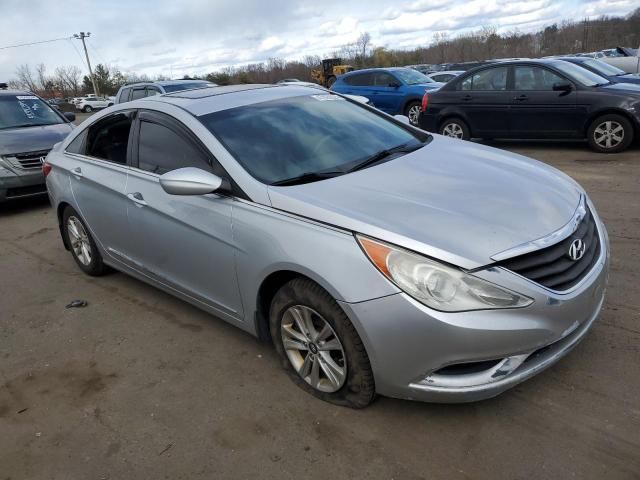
column 484, row 100
column 184, row 242
column 537, row 111
column 99, row 176
column 358, row 84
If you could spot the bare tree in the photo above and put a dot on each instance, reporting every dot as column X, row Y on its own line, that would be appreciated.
column 26, row 78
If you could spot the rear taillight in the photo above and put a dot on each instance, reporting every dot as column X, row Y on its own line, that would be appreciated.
column 46, row 168
column 425, row 102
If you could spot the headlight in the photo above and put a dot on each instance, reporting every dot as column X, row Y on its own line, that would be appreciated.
column 438, row 286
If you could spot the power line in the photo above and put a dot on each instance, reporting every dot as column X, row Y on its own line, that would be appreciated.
column 35, row 43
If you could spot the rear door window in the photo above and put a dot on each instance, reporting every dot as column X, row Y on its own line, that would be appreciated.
column 360, row 80
column 138, row 93
column 108, row 138
column 491, row 79
column 124, row 95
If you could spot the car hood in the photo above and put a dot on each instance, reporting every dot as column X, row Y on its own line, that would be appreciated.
column 452, row 200
column 32, row 139
column 623, row 87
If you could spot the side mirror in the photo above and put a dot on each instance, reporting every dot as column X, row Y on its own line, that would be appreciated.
column 403, row 119
column 562, row 87
column 190, row 181
column 70, row 116
column 394, row 85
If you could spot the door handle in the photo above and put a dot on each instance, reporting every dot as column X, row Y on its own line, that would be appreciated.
column 521, row 98
column 137, row 198
column 467, row 97
column 77, row 172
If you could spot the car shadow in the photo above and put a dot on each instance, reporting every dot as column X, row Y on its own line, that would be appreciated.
column 22, row 205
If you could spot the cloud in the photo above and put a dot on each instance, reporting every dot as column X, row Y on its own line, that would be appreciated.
column 197, row 36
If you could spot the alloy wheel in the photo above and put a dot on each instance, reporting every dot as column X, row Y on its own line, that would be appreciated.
column 608, row 134
column 414, row 113
column 453, row 130
column 313, row 348
column 79, row 240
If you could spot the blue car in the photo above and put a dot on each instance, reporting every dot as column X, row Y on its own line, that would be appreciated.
column 396, row 91
column 611, row 73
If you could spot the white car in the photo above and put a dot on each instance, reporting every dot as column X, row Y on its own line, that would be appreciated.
column 89, row 104
column 627, row 59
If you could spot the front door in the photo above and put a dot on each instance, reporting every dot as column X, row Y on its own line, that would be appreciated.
column 184, row 242
column 537, row 111
column 388, row 95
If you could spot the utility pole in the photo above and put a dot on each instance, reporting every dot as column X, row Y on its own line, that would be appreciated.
column 82, row 36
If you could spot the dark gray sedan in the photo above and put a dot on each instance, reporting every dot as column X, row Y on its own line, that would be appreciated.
column 29, row 128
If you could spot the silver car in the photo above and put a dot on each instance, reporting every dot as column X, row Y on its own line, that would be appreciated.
column 376, row 257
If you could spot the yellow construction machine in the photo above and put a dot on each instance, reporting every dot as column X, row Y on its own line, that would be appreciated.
column 329, row 70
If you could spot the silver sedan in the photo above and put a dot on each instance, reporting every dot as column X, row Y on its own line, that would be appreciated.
column 375, row 257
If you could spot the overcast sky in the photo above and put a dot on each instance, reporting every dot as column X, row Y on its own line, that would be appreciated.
column 178, row 37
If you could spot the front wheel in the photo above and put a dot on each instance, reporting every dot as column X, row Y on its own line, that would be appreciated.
column 610, row 134
column 413, row 112
column 318, row 346
column 330, row 81
column 87, row 109
column 455, row 128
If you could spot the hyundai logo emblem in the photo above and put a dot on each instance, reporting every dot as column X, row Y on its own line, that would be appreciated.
column 42, row 159
column 577, row 249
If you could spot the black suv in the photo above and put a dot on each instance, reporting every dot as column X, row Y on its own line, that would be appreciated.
column 535, row 99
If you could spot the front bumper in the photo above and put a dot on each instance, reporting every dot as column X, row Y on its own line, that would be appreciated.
column 22, row 184
column 409, row 344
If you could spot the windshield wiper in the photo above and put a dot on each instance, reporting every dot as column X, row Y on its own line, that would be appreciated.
column 23, row 125
column 308, row 177
column 382, row 154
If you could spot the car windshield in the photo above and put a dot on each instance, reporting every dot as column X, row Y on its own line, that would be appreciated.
column 18, row 111
column 185, row 86
column 283, row 139
column 411, row 76
column 581, row 75
column 603, row 68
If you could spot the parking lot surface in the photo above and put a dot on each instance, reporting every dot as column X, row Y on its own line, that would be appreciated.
column 139, row 384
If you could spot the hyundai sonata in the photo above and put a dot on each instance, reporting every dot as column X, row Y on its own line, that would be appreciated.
column 376, row 257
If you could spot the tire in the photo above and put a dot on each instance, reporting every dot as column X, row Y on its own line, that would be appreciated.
column 330, row 81
column 455, row 128
column 110, row 105
column 613, row 130
column 94, row 266
column 412, row 110
column 352, row 385
column 87, row 109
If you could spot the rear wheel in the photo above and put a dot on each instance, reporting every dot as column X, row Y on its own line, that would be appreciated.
column 455, row 128
column 318, row 346
column 330, row 81
column 412, row 111
column 87, row 109
column 83, row 248
column 610, row 134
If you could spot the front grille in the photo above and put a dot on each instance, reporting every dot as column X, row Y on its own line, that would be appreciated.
column 552, row 266
column 28, row 160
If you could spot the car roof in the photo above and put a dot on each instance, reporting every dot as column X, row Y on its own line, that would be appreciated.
column 163, row 83
column 201, row 101
column 10, row 92
column 384, row 69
